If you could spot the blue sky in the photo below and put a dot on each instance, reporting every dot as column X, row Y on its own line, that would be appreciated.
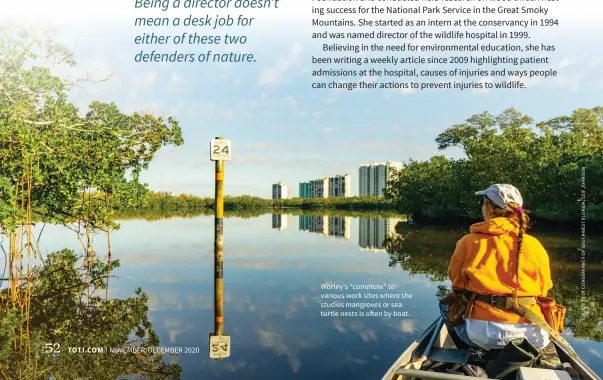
column 280, row 128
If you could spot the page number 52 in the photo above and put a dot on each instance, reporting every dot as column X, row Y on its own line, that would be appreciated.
column 51, row 348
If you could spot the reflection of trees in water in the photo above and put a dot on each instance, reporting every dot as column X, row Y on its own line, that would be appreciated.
column 421, row 251
column 65, row 310
column 427, row 250
column 153, row 214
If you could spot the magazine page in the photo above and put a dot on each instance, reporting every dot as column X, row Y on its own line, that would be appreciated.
column 301, row 189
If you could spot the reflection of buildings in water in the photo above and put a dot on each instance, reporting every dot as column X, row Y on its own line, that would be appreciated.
column 304, row 223
column 325, row 225
column 373, row 231
column 280, row 222
column 318, row 224
column 339, row 227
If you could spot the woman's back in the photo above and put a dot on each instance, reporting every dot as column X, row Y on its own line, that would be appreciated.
column 485, row 262
column 502, row 269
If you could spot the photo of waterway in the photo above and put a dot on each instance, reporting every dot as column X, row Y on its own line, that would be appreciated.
column 275, row 270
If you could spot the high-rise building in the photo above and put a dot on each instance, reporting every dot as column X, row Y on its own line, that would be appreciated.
column 373, row 178
column 340, row 186
column 372, row 232
column 304, row 190
column 280, row 222
column 280, row 191
column 319, row 188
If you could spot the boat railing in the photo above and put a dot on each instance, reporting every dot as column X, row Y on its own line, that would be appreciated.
column 426, row 375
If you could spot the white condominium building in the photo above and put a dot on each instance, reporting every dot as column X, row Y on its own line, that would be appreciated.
column 340, row 186
column 373, row 177
column 319, row 188
column 280, row 191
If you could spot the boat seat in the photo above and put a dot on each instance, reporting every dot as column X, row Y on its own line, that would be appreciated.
column 449, row 355
column 549, row 359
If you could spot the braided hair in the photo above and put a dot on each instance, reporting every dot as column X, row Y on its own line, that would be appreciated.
column 514, row 211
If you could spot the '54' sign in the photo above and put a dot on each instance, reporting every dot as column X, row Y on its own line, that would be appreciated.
column 219, row 346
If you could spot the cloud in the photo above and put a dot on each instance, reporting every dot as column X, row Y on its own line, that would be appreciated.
column 177, row 83
column 594, row 63
column 291, row 101
column 562, row 64
column 274, row 75
column 384, row 145
column 596, row 353
column 366, row 334
column 407, row 326
column 259, row 102
column 287, row 345
column 175, row 300
column 260, row 147
column 328, row 129
column 148, row 78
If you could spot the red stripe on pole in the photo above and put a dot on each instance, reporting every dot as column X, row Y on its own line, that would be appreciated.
column 219, row 319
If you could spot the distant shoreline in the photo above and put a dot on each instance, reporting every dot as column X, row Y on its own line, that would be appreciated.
column 249, row 206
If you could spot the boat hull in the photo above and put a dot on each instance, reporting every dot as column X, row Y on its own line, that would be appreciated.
column 435, row 342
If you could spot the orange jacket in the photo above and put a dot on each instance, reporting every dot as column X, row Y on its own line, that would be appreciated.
column 484, row 263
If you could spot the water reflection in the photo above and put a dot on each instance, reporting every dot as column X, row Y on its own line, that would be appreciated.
column 373, row 232
column 326, row 225
column 272, row 295
column 66, row 328
column 280, row 222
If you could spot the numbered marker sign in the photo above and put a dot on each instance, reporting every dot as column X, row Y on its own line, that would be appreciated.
column 220, row 150
column 219, row 346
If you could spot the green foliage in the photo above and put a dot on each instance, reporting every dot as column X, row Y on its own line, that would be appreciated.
column 151, row 215
column 71, row 312
column 339, row 203
column 547, row 161
column 165, row 201
column 53, row 153
column 9, row 214
column 59, row 164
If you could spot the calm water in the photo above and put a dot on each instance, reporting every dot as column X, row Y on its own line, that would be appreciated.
column 273, row 269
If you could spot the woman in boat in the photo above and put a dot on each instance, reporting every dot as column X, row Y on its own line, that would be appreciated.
column 495, row 265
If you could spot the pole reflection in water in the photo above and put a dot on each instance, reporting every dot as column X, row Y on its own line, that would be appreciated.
column 219, row 343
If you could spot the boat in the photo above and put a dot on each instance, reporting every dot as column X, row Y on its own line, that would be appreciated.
column 436, row 345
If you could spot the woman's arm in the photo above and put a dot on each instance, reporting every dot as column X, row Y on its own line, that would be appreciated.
column 456, row 265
